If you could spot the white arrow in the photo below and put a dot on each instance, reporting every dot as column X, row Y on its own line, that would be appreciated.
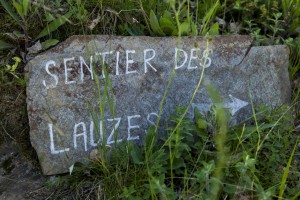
column 234, row 105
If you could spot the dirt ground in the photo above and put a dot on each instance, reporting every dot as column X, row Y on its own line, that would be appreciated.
column 20, row 175
column 19, row 178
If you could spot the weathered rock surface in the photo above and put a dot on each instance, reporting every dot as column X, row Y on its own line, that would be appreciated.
column 67, row 123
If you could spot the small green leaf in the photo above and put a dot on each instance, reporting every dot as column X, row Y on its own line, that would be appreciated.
column 194, row 29
column 8, row 67
column 49, row 43
column 177, row 163
column 202, row 124
column 182, row 13
column 53, row 26
column 18, row 7
column 5, row 45
column 136, row 155
column 167, row 15
column 151, row 137
column 277, row 15
column 26, row 6
column 286, row 171
column 155, row 25
column 18, row 34
column 230, row 189
column 14, row 67
column 214, row 29
column 49, row 17
column 185, row 28
column 167, row 26
column 171, row 2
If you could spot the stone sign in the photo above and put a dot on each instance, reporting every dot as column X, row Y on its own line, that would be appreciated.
column 101, row 90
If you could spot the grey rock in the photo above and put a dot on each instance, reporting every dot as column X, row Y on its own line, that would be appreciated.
column 65, row 110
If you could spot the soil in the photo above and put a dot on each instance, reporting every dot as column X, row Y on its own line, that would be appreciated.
column 19, row 178
column 20, row 174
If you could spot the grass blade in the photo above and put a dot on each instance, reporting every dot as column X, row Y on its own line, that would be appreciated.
column 19, row 8
column 10, row 11
column 286, row 172
column 296, row 196
column 208, row 17
column 26, row 6
column 5, row 45
column 155, row 25
column 294, row 64
column 54, row 25
column 49, row 43
column 284, row 6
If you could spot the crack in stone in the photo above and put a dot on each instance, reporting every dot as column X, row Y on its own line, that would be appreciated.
column 246, row 54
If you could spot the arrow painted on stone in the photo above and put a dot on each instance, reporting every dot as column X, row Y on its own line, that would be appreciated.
column 234, row 105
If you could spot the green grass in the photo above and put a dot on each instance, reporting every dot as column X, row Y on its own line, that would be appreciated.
column 188, row 163
column 253, row 161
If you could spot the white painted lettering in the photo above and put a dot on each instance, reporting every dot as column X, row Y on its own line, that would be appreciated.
column 206, row 58
column 128, row 61
column 149, row 116
column 82, row 62
column 129, row 137
column 51, row 62
column 177, row 58
column 83, row 133
column 111, row 139
column 146, row 60
column 52, row 146
column 117, row 63
column 103, row 60
column 67, row 70
column 104, row 55
column 92, row 140
column 193, row 57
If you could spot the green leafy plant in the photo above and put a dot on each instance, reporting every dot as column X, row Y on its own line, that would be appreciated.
column 286, row 172
column 275, row 28
column 10, row 70
column 181, row 22
column 188, row 165
column 294, row 65
column 22, row 7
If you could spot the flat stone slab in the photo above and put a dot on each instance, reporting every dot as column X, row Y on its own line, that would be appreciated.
column 70, row 115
